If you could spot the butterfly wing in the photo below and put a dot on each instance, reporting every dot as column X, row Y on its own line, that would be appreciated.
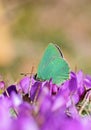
column 53, row 66
column 50, row 53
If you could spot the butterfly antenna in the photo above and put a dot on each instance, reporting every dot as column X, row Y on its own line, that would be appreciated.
column 31, row 73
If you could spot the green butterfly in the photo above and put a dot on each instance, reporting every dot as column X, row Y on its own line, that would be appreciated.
column 53, row 66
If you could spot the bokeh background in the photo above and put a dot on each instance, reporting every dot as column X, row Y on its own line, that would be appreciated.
column 27, row 26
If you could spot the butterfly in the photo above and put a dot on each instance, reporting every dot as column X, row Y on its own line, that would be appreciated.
column 53, row 65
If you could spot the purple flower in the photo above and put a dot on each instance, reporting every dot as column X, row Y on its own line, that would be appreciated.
column 80, row 83
column 42, row 105
column 24, row 120
column 9, row 90
column 87, row 81
column 4, row 114
column 25, row 123
column 59, row 121
column 69, row 90
column 25, row 84
column 35, row 90
column 15, row 99
column 53, row 88
column 72, row 83
column 2, row 84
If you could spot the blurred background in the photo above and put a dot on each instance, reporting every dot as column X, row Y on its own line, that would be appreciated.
column 28, row 26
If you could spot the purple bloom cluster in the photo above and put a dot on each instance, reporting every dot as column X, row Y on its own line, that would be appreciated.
column 41, row 105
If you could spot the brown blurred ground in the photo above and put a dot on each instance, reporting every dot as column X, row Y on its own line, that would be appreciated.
column 26, row 27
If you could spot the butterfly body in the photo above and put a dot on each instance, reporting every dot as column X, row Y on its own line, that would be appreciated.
column 53, row 66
